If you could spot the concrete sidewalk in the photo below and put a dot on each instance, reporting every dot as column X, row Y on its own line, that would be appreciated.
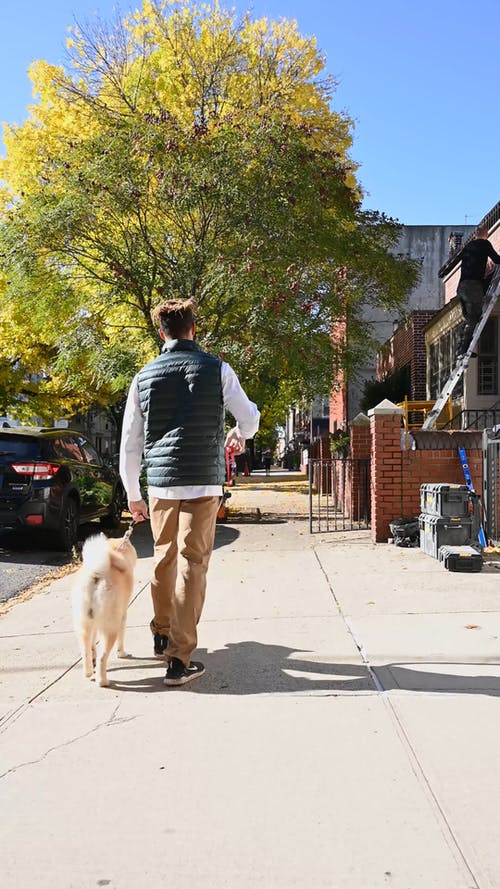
column 345, row 735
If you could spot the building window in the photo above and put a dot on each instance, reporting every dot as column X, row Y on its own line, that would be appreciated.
column 433, row 370
column 444, row 359
column 441, row 363
column 456, row 336
column 487, row 368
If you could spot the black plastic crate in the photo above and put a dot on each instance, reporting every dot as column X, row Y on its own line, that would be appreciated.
column 451, row 531
column 448, row 500
column 460, row 558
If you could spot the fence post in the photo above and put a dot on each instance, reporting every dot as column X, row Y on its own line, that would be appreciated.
column 386, row 468
column 360, row 443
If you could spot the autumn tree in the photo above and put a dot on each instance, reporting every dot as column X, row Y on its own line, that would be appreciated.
column 186, row 153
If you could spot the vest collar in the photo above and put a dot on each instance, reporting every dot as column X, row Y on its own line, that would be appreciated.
column 181, row 346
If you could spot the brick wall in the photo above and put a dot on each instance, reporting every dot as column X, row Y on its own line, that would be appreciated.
column 358, row 485
column 407, row 348
column 421, row 467
column 338, row 405
column 386, row 468
column 419, row 356
column 396, row 475
column 339, row 394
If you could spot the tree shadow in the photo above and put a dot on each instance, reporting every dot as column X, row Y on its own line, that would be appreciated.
column 142, row 538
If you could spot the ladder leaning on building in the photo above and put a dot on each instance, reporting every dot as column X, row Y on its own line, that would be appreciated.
column 462, row 364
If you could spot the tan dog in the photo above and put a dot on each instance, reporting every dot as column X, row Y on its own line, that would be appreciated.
column 101, row 595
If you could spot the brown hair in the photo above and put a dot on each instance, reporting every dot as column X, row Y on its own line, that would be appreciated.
column 482, row 230
column 175, row 317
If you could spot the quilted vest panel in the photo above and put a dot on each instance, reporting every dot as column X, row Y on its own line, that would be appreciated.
column 181, row 399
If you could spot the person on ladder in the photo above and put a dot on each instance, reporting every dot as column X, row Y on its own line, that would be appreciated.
column 471, row 289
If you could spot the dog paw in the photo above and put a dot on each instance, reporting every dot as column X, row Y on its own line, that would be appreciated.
column 124, row 654
column 89, row 674
column 103, row 683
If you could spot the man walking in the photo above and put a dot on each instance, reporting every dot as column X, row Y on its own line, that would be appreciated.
column 175, row 416
column 471, row 285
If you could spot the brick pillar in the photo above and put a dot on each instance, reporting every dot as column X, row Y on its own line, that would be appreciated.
column 386, row 468
column 360, row 444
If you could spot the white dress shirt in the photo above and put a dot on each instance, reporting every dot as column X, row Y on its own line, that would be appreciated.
column 243, row 410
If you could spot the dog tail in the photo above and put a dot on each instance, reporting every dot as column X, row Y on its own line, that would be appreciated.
column 96, row 556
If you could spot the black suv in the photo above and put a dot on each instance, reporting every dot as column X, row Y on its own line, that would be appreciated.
column 54, row 480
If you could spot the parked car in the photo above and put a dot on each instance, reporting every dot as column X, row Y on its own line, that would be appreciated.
column 54, row 480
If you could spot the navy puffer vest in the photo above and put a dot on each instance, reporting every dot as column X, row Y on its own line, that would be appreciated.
column 180, row 394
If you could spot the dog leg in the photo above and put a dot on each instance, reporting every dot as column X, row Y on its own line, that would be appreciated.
column 86, row 649
column 106, row 645
column 121, row 638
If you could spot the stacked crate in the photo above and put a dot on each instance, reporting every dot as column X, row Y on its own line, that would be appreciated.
column 451, row 516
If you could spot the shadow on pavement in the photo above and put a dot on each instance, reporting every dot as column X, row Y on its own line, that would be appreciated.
column 253, row 668
column 249, row 668
column 143, row 540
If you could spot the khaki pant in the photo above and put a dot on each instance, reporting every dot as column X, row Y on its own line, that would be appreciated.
column 183, row 533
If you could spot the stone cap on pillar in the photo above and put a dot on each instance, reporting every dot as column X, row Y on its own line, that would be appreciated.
column 386, row 408
column 360, row 420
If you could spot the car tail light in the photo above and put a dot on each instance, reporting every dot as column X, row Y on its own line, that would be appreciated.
column 34, row 519
column 39, row 471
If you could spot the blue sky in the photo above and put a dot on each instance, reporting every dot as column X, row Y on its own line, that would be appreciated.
column 419, row 78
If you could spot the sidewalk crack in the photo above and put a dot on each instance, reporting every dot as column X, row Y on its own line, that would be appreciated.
column 112, row 720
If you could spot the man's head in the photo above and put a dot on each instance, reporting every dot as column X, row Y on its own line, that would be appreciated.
column 482, row 231
column 175, row 318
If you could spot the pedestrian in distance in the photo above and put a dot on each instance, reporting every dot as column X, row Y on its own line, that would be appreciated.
column 268, row 459
column 471, row 289
column 174, row 416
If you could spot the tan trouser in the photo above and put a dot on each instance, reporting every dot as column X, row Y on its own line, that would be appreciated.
column 183, row 532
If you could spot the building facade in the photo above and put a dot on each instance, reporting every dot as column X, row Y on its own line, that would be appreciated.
column 479, row 389
column 430, row 245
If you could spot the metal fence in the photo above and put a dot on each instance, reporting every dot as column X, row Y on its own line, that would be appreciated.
column 491, row 483
column 339, row 495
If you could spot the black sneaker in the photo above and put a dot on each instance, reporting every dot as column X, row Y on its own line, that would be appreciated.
column 178, row 674
column 160, row 645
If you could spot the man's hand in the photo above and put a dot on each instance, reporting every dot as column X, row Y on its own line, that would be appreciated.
column 138, row 510
column 235, row 441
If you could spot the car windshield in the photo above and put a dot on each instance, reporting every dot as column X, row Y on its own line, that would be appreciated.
column 18, row 447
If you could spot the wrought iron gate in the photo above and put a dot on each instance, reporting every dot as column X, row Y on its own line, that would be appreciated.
column 339, row 494
column 491, row 483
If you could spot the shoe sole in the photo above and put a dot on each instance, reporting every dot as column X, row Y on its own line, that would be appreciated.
column 183, row 680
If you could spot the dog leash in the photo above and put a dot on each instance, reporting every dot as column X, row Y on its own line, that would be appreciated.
column 128, row 534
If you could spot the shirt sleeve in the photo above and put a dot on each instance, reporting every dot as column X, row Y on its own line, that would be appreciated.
column 492, row 253
column 236, row 401
column 132, row 443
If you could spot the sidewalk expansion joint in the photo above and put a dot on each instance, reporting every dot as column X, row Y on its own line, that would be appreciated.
column 407, row 745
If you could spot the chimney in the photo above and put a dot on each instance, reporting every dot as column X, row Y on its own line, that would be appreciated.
column 455, row 243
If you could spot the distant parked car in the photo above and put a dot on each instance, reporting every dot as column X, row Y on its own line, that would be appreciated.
column 54, row 480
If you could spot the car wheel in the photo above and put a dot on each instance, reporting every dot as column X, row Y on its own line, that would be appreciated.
column 67, row 535
column 114, row 516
